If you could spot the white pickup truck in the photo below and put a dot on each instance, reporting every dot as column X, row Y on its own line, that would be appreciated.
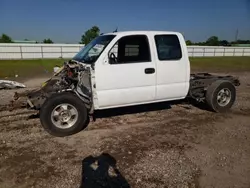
column 124, row 69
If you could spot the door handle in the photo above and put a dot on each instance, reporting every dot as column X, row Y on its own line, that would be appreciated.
column 149, row 70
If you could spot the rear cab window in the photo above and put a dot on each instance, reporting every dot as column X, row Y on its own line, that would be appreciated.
column 168, row 47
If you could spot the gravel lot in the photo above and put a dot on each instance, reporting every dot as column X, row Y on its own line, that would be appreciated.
column 160, row 145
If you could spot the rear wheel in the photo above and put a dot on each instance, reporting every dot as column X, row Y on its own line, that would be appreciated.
column 221, row 95
column 63, row 115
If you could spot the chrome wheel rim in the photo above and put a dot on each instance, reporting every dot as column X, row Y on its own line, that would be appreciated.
column 224, row 97
column 64, row 116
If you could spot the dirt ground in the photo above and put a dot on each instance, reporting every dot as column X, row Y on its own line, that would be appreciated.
column 160, row 145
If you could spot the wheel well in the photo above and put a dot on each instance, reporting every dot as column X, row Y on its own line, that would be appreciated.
column 40, row 98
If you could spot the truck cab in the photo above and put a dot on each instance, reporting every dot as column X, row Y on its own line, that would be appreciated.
column 141, row 67
column 125, row 69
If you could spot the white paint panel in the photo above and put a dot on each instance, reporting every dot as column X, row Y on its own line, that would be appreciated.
column 121, row 84
column 128, row 96
column 171, row 90
column 124, row 72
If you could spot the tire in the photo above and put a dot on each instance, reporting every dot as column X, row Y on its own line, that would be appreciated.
column 215, row 90
column 76, row 112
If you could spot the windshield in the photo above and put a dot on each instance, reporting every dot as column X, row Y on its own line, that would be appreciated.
column 90, row 52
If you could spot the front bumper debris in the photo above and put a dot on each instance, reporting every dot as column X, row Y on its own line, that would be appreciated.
column 30, row 103
column 26, row 99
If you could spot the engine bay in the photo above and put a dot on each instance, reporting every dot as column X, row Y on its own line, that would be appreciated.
column 73, row 76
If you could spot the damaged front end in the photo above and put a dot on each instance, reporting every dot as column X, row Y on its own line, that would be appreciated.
column 73, row 76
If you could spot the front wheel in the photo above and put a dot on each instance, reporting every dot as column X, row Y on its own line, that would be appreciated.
column 63, row 114
column 221, row 95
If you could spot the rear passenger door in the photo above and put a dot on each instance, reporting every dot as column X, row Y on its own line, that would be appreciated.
column 172, row 67
column 131, row 78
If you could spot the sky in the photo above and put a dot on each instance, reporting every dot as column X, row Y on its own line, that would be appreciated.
column 64, row 21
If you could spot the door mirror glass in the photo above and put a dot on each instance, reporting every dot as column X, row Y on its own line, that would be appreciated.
column 112, row 58
column 113, row 55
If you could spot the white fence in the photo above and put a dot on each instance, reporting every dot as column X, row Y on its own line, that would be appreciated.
column 38, row 51
column 213, row 51
column 50, row 51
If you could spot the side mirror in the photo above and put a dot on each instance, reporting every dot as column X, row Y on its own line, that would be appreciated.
column 112, row 58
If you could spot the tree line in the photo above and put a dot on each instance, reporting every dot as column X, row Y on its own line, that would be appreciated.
column 94, row 31
column 4, row 38
column 215, row 41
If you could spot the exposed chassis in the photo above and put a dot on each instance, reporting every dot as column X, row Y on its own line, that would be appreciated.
column 79, row 84
column 199, row 83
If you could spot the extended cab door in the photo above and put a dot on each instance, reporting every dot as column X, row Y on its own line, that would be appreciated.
column 129, row 77
column 173, row 69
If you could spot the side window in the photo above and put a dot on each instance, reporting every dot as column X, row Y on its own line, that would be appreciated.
column 168, row 47
column 131, row 49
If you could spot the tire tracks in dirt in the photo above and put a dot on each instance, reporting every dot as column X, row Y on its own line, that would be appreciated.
column 131, row 145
